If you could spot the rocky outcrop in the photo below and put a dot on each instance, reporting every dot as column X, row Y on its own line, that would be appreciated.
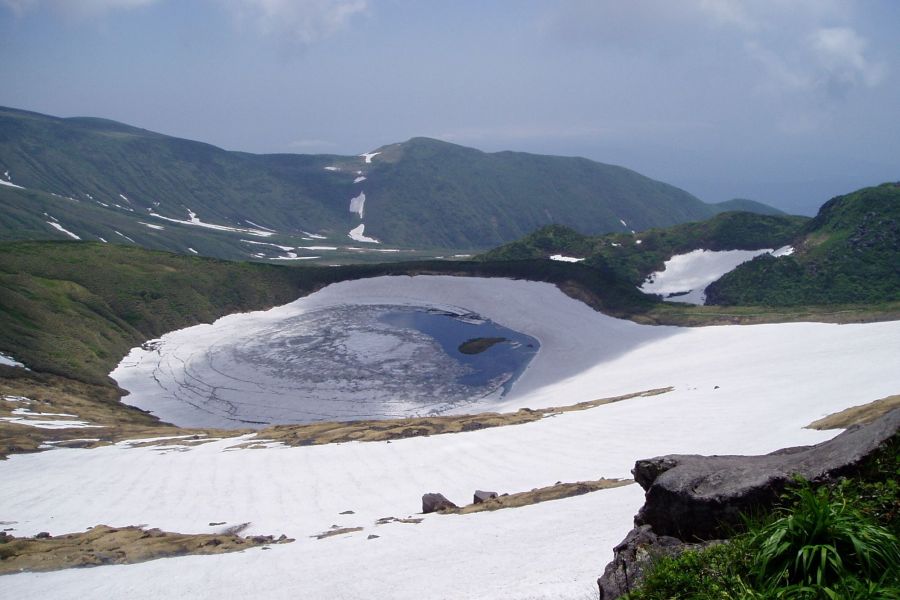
column 483, row 496
column 632, row 557
column 692, row 498
column 434, row 502
column 703, row 497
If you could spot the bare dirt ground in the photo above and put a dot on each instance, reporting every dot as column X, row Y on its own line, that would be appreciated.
column 103, row 545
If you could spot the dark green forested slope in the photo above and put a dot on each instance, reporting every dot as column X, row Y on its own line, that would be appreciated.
column 633, row 261
column 849, row 253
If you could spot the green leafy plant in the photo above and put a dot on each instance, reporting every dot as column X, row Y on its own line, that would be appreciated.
column 822, row 545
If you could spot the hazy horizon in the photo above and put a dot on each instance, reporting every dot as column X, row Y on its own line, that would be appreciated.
column 788, row 103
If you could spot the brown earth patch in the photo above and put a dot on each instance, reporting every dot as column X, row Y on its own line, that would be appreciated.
column 857, row 415
column 104, row 545
column 94, row 404
column 395, row 429
column 544, row 494
column 336, row 531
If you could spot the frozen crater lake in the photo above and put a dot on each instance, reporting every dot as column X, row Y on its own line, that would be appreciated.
column 344, row 361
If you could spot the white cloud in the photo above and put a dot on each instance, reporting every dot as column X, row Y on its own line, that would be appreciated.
column 840, row 54
column 303, row 21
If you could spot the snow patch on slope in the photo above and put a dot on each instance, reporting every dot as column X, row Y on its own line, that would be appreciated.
column 357, row 234
column 9, row 361
column 195, row 221
column 369, row 156
column 10, row 184
column 61, row 229
column 358, row 204
column 563, row 258
column 685, row 276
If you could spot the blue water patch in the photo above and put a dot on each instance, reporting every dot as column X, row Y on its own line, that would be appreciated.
column 499, row 364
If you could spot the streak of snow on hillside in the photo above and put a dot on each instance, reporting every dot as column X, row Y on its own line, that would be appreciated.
column 563, row 258
column 9, row 361
column 62, row 229
column 358, row 204
column 194, row 220
column 357, row 234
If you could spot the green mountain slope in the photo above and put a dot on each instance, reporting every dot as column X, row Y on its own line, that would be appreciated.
column 422, row 193
column 849, row 253
column 745, row 205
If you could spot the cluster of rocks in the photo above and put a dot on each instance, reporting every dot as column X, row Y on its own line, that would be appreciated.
column 692, row 501
column 435, row 502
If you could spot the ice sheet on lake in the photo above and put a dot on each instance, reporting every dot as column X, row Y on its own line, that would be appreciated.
column 342, row 362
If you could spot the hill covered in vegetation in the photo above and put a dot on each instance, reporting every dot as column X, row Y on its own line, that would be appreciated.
column 849, row 253
column 634, row 256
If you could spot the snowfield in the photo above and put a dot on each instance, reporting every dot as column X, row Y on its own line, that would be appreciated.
column 737, row 389
column 685, row 276
column 358, row 204
column 357, row 234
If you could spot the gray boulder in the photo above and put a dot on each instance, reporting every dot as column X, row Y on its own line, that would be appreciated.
column 702, row 497
column 482, row 496
column 435, row 502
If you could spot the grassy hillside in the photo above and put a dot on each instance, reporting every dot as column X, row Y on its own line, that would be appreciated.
column 633, row 261
column 422, row 193
column 849, row 253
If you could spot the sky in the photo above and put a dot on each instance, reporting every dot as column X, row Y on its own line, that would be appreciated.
column 788, row 102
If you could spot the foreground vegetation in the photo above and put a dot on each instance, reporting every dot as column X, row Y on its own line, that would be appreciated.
column 838, row 541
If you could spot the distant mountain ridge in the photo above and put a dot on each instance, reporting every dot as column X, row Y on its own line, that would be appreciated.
column 421, row 193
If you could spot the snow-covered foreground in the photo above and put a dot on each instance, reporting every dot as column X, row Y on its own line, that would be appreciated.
column 747, row 389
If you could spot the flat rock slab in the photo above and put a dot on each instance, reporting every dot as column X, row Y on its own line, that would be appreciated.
column 694, row 497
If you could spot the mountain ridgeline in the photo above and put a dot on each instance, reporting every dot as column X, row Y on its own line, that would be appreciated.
column 423, row 193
